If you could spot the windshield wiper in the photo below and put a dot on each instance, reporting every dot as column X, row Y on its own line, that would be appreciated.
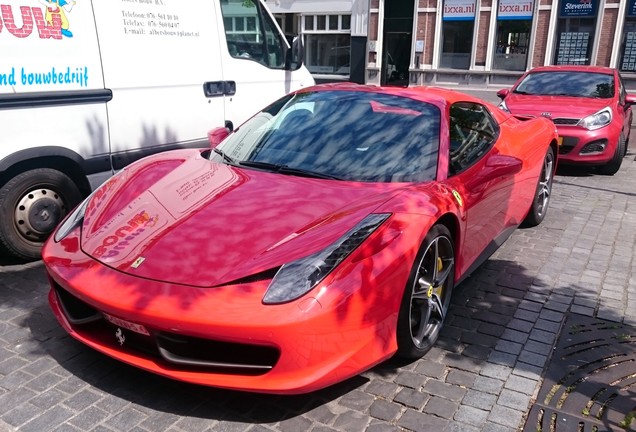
column 284, row 169
column 521, row 92
column 307, row 173
column 267, row 166
column 227, row 158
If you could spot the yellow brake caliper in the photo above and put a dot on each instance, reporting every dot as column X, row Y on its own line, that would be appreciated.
column 440, row 267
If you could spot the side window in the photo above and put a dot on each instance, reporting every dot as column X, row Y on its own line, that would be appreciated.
column 251, row 34
column 472, row 132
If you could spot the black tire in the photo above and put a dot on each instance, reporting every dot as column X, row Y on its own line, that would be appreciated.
column 31, row 205
column 614, row 164
column 543, row 192
column 427, row 294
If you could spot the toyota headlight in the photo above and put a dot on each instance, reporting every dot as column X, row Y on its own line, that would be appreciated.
column 299, row 277
column 597, row 120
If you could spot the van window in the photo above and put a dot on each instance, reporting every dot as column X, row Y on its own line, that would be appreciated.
column 251, row 34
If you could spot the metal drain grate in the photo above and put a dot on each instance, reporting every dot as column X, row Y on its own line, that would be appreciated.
column 590, row 384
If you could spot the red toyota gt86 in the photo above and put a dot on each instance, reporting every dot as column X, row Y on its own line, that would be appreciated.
column 319, row 238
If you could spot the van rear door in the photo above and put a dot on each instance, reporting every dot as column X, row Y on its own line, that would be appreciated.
column 162, row 62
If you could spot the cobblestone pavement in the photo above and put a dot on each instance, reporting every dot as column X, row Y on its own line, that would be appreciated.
column 481, row 376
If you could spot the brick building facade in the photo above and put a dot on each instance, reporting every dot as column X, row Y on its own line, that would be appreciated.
column 495, row 41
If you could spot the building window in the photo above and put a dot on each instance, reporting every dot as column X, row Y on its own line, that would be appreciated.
column 514, row 21
column 575, row 37
column 346, row 22
column 309, row 22
column 458, row 27
column 327, row 43
column 628, row 45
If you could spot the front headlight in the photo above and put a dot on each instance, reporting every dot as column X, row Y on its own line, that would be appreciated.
column 299, row 277
column 71, row 222
column 504, row 107
column 597, row 120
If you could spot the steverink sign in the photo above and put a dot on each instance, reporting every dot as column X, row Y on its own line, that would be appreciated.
column 631, row 8
column 578, row 8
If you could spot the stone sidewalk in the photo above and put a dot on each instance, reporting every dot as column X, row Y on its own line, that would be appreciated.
column 483, row 375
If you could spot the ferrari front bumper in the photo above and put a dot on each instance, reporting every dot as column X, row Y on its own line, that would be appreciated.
column 224, row 336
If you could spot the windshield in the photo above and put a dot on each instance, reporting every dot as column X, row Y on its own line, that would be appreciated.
column 347, row 135
column 568, row 83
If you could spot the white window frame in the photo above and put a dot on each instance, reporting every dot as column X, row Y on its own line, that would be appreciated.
column 326, row 30
column 314, row 31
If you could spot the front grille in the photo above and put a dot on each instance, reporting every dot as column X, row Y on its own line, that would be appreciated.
column 568, row 144
column 566, row 121
column 188, row 353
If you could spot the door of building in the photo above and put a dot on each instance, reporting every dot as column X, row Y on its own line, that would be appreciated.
column 397, row 40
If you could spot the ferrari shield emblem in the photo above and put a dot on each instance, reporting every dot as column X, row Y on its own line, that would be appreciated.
column 138, row 262
column 458, row 197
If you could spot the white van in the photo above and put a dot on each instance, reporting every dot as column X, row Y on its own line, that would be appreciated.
column 87, row 87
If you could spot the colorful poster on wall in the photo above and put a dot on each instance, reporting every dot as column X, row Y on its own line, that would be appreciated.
column 515, row 9
column 459, row 10
column 578, row 8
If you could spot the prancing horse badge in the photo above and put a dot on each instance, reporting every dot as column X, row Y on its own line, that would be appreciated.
column 120, row 336
column 138, row 262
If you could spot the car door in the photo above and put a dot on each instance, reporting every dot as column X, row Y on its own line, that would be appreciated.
column 157, row 57
column 481, row 177
column 623, row 107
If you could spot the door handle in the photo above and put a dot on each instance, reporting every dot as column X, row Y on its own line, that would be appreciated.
column 219, row 88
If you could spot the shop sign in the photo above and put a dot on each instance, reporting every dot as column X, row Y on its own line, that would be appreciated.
column 515, row 9
column 631, row 8
column 459, row 10
column 578, row 8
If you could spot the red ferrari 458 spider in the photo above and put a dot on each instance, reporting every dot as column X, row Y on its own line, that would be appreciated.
column 319, row 238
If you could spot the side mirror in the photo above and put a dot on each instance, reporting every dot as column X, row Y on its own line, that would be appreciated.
column 501, row 94
column 295, row 54
column 630, row 100
column 217, row 135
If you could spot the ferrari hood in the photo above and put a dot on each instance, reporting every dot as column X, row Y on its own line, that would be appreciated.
column 205, row 224
column 554, row 106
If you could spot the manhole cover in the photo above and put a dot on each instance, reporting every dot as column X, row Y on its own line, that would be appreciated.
column 590, row 384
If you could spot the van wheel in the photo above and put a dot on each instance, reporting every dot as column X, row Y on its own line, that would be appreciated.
column 614, row 164
column 33, row 203
column 427, row 295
